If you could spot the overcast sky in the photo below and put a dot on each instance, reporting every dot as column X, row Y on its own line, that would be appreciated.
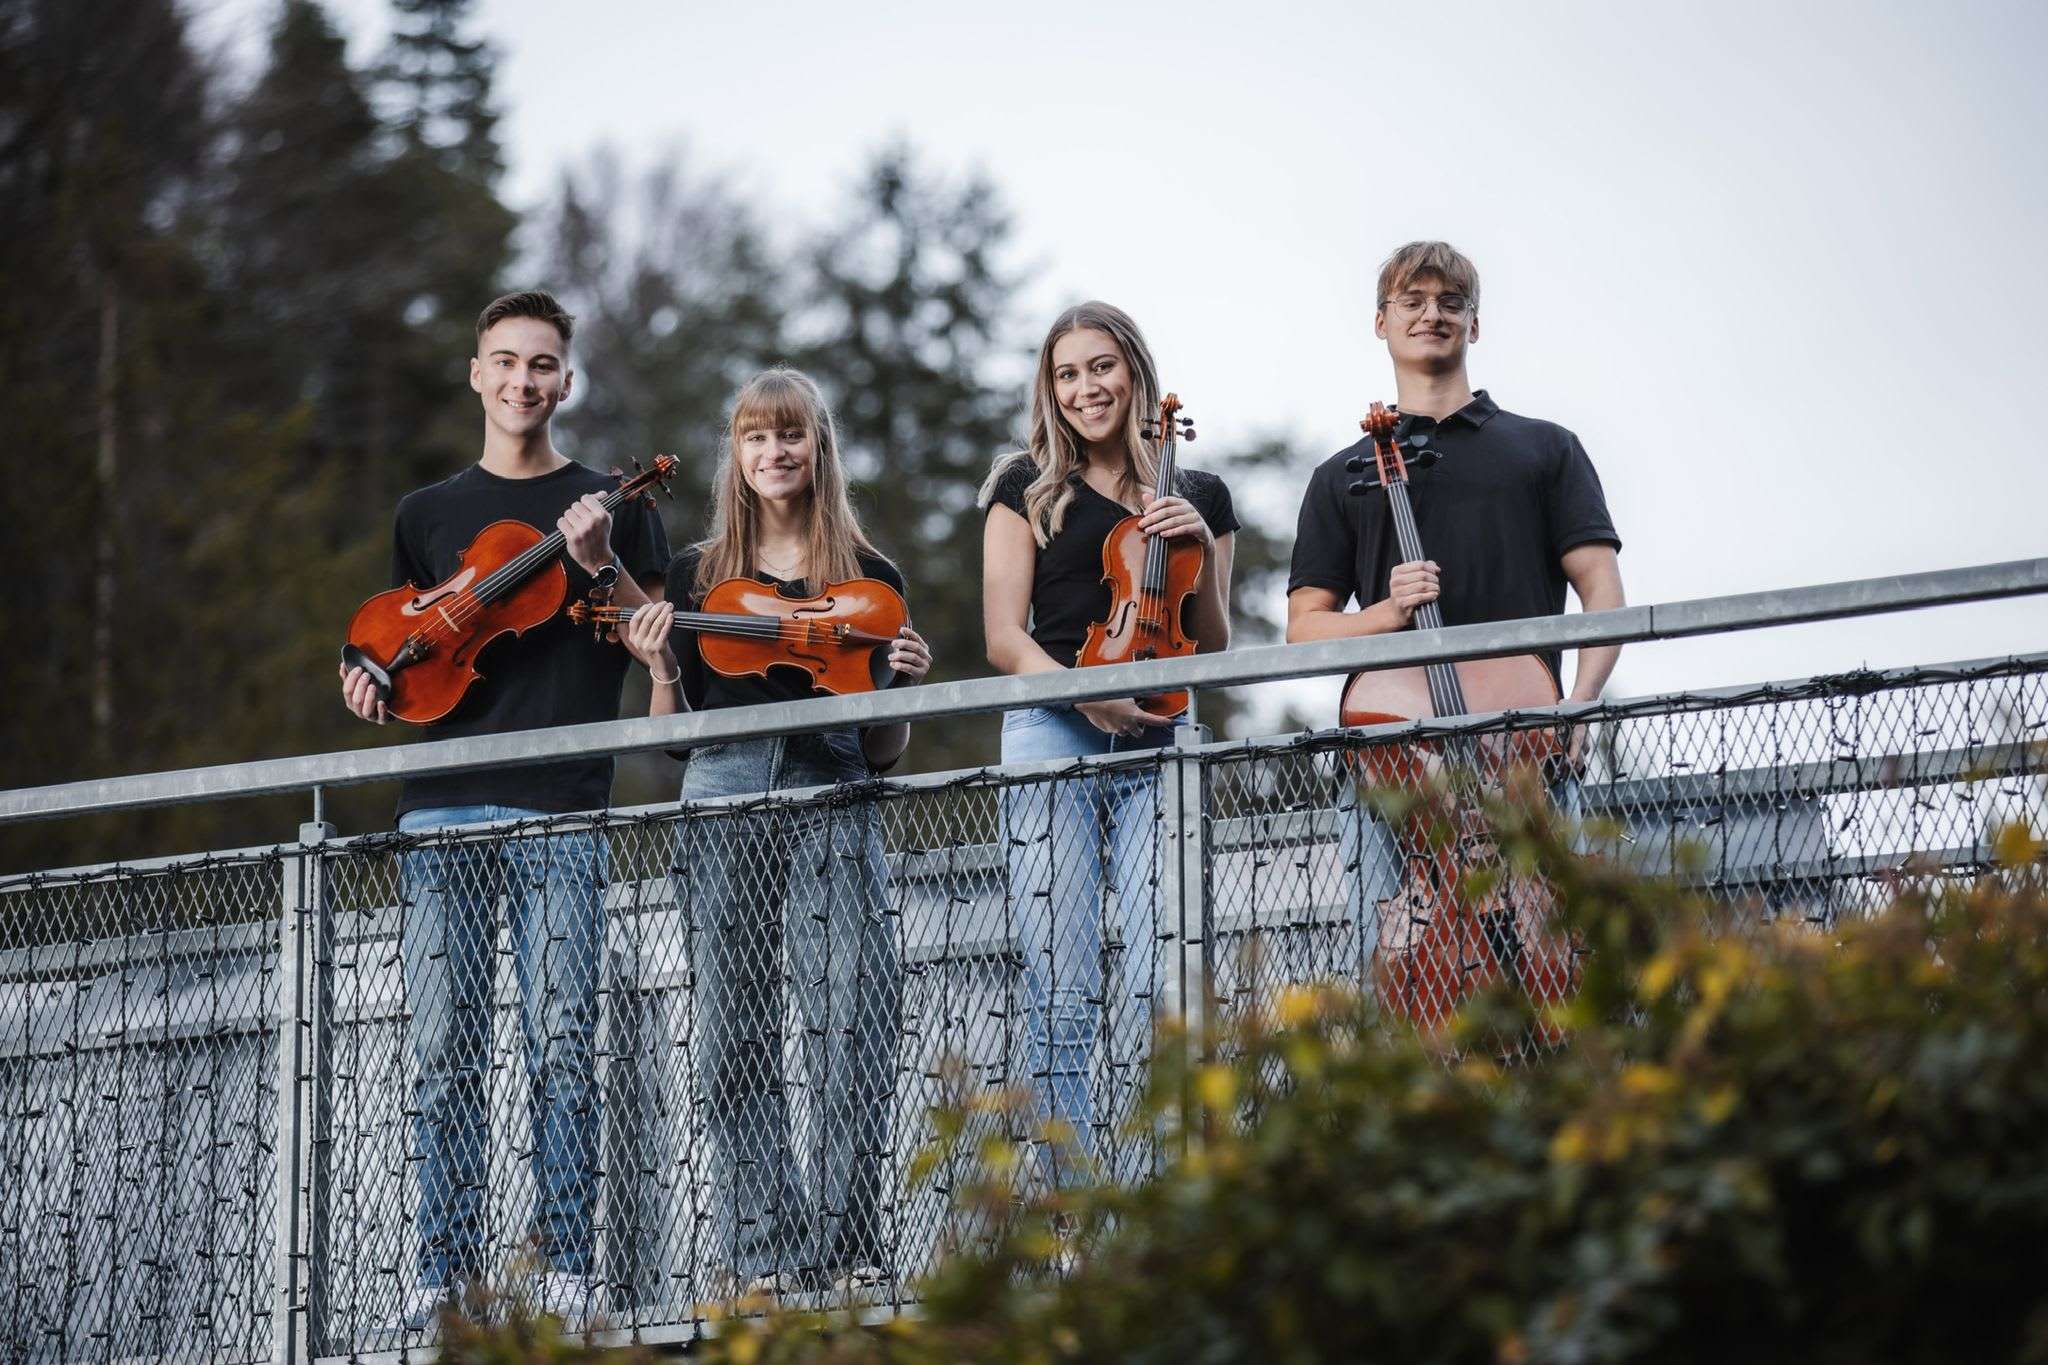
column 1778, row 265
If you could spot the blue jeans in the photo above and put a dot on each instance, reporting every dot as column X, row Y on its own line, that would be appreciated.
column 553, row 887
column 790, row 902
column 1067, row 841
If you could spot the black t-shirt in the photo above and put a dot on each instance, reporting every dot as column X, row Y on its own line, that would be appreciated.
column 1497, row 512
column 1068, row 593
column 554, row 674
column 708, row 689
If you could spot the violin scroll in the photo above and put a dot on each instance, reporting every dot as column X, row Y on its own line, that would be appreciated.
column 645, row 481
column 1168, row 421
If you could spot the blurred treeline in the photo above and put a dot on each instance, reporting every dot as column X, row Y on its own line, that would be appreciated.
column 238, row 309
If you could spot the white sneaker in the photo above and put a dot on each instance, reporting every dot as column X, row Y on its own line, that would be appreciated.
column 571, row 1298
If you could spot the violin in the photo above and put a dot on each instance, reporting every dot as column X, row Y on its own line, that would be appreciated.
column 1150, row 579
column 1447, row 943
column 420, row 645
column 840, row 637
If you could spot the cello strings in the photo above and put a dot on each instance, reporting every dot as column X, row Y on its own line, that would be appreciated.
column 1444, row 693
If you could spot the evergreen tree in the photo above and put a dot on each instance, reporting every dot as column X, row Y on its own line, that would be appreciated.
column 103, row 135
column 451, row 233
column 908, row 317
column 676, row 298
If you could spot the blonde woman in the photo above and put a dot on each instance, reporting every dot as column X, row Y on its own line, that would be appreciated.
column 1049, row 509
column 805, row 885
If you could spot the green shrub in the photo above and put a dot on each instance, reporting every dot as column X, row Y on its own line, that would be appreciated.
column 1759, row 1145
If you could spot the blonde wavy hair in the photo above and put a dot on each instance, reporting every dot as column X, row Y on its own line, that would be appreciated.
column 774, row 400
column 1056, row 450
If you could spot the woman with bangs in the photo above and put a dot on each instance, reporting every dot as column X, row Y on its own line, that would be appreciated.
column 802, row 884
column 1049, row 509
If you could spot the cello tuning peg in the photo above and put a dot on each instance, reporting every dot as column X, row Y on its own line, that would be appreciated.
column 1358, row 488
column 1355, row 465
column 1188, row 434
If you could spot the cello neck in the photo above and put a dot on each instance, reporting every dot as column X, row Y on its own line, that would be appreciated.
column 1445, row 693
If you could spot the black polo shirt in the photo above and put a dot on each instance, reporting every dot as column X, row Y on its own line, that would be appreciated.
column 1509, row 495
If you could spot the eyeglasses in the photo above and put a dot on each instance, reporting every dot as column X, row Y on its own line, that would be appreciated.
column 1413, row 305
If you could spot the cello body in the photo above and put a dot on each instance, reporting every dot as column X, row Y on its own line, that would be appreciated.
column 422, row 644
column 1441, row 938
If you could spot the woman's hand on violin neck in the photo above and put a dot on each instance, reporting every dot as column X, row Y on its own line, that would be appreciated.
column 1120, row 716
column 647, row 637
column 1175, row 518
column 910, row 655
column 587, row 529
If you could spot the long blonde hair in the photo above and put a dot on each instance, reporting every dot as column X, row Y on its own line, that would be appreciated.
column 1056, row 451
column 774, row 400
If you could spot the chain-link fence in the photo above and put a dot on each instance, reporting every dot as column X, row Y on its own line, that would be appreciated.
column 666, row 1054
column 139, row 1110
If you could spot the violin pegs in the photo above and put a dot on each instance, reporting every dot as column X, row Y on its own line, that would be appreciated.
column 1355, row 465
column 1188, row 435
column 1359, row 488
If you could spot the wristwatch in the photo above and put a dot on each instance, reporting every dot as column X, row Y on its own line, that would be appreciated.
column 605, row 579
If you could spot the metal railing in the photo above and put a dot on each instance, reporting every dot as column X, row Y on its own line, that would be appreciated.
column 226, row 1079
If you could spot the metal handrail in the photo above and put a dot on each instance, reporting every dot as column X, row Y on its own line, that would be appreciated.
column 1269, row 663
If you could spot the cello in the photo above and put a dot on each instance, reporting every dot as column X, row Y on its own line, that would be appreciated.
column 1150, row 579
column 420, row 646
column 1449, row 942
column 745, row 627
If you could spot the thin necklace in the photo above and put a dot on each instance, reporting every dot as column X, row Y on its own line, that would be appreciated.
column 774, row 570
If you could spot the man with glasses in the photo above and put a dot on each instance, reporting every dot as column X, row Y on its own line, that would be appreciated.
column 1510, row 512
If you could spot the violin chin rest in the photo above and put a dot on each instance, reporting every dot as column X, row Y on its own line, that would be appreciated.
column 352, row 657
column 879, row 672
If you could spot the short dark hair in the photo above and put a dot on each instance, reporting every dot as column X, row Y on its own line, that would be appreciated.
column 527, row 303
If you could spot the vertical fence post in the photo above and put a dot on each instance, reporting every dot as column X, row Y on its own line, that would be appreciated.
column 302, row 910
column 1184, row 879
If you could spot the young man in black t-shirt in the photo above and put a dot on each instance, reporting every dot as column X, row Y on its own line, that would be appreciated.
column 552, row 884
column 1511, row 512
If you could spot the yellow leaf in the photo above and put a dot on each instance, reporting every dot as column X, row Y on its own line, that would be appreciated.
column 2015, row 847
column 1216, row 1086
column 1716, row 1105
column 1647, row 1081
column 1298, row 1005
column 1659, row 973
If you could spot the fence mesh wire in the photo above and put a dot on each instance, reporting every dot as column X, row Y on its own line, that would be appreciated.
column 138, row 1079
column 671, row 1053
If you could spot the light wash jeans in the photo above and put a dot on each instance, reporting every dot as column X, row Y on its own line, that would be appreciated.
column 791, row 903
column 553, row 888
column 1083, row 878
